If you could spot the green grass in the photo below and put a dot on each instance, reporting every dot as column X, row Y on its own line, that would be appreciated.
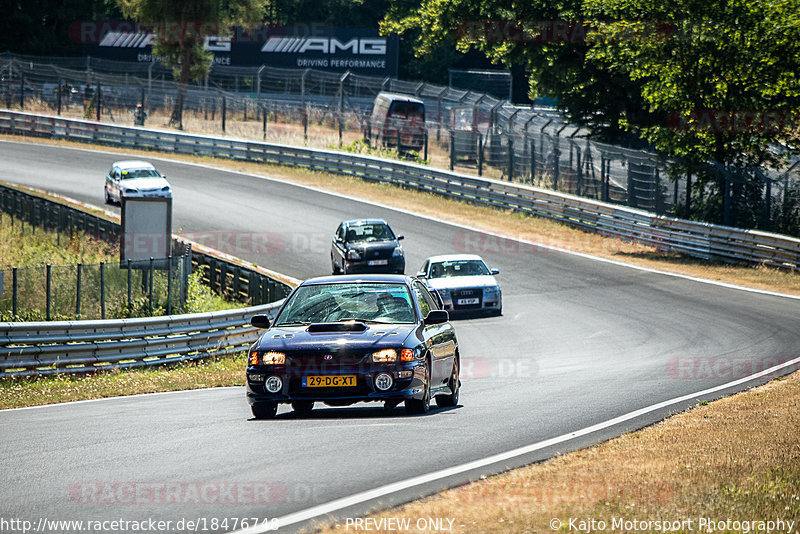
column 30, row 249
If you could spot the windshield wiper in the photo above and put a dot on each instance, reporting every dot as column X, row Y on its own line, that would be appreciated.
column 295, row 323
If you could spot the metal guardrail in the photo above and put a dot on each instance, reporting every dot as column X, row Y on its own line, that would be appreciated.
column 44, row 348
column 225, row 274
column 695, row 239
column 52, row 347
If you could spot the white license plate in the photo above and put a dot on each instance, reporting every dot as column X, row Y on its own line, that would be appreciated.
column 467, row 302
column 378, row 262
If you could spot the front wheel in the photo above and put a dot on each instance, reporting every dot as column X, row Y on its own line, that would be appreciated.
column 455, row 386
column 421, row 406
column 264, row 410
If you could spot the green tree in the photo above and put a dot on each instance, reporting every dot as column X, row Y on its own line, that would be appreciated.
column 181, row 27
column 674, row 75
column 722, row 87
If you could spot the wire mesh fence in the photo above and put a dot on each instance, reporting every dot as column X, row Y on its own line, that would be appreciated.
column 466, row 131
column 94, row 291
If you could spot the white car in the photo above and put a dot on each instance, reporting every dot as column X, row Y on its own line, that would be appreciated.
column 135, row 179
column 464, row 283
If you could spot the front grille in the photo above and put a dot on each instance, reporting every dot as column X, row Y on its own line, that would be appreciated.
column 378, row 254
column 316, row 360
column 467, row 293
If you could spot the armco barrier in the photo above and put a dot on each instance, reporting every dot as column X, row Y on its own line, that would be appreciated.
column 225, row 274
column 43, row 348
column 687, row 237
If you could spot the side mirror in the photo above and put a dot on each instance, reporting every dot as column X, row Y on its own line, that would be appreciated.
column 421, row 274
column 495, row 271
column 437, row 317
column 260, row 321
column 401, row 237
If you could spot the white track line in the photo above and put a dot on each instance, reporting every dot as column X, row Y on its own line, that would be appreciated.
column 449, row 223
column 359, row 498
column 120, row 397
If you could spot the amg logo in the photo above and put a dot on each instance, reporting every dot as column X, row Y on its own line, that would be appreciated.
column 324, row 45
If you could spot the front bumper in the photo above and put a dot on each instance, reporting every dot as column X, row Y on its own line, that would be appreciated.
column 411, row 387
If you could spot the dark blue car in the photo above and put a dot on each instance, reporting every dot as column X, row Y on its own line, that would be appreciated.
column 356, row 338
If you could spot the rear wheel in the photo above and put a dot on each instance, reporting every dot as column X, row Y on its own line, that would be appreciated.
column 455, row 386
column 334, row 268
column 264, row 410
column 303, row 407
column 421, row 406
column 108, row 199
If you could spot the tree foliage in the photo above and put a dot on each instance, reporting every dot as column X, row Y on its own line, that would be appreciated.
column 713, row 86
column 181, row 27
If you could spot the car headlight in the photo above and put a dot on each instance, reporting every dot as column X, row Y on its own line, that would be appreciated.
column 165, row 188
column 267, row 358
column 129, row 190
column 353, row 255
column 398, row 252
column 384, row 356
column 491, row 291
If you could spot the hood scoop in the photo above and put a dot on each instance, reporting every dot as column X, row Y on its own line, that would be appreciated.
column 347, row 326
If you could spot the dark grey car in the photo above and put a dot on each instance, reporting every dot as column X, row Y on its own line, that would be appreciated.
column 366, row 246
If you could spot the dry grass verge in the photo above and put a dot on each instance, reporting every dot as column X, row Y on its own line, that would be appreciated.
column 737, row 458
column 199, row 374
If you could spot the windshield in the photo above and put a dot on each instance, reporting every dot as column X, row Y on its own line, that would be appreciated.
column 140, row 173
column 407, row 110
column 327, row 303
column 446, row 269
column 366, row 233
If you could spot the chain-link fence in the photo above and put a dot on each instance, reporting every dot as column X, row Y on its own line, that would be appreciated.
column 466, row 131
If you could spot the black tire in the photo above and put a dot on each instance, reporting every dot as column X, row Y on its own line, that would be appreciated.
column 421, row 406
column 451, row 399
column 264, row 410
column 334, row 268
column 108, row 199
column 303, row 407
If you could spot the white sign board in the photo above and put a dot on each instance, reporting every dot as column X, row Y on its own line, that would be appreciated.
column 146, row 230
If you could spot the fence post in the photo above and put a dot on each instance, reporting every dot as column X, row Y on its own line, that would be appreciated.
column 452, row 150
column 78, row 291
column 480, row 154
column 264, row 121
column 14, row 292
column 169, row 284
column 767, row 223
column 688, row 195
column 510, row 158
column 48, row 286
column 21, row 91
column 99, row 98
column 532, row 144
column 58, row 98
column 102, row 290
column 224, row 112
column 556, row 160
column 150, row 289
column 425, row 155
column 130, row 280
